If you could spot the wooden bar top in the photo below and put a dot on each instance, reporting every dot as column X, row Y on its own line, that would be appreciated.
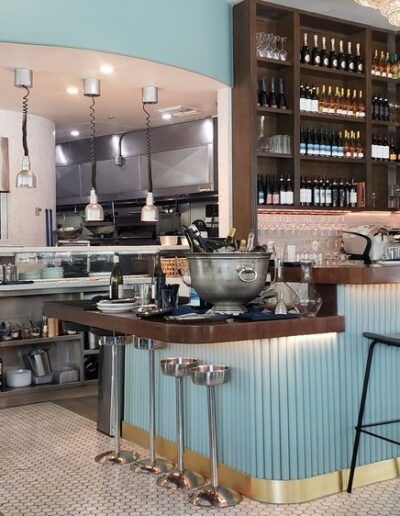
column 348, row 275
column 190, row 333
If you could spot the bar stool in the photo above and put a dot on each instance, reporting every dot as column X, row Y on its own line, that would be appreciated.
column 179, row 478
column 387, row 340
column 152, row 464
column 212, row 494
column 116, row 456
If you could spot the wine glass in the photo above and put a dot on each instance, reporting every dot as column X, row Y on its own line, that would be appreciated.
column 283, row 52
column 268, row 49
column 260, row 43
column 275, row 50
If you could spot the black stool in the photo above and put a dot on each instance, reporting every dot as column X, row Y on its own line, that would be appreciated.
column 387, row 340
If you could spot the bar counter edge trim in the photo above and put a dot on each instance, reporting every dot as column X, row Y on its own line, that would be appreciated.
column 271, row 491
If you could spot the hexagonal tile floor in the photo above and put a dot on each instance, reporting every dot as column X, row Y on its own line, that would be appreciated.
column 47, row 467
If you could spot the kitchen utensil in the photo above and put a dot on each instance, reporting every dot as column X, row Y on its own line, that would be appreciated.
column 69, row 233
column 228, row 280
column 39, row 361
column 9, row 273
column 18, row 377
column 168, row 239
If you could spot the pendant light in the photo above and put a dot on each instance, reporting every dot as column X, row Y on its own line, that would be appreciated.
column 93, row 211
column 149, row 212
column 25, row 177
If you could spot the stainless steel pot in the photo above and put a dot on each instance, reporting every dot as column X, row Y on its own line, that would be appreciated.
column 228, row 280
column 39, row 362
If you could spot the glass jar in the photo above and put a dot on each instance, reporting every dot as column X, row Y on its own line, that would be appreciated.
column 310, row 300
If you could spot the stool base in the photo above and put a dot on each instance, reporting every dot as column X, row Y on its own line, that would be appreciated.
column 110, row 457
column 185, row 480
column 220, row 497
column 152, row 467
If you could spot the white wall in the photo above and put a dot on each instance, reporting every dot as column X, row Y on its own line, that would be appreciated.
column 25, row 227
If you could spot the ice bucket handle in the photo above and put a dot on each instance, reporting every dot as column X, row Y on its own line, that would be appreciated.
column 247, row 270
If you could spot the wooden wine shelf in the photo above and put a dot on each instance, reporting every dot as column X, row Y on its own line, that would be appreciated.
column 264, row 61
column 273, row 155
column 334, row 160
column 247, row 162
column 318, row 71
column 332, row 118
column 275, row 111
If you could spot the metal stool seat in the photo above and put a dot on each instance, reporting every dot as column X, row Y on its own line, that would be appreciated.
column 152, row 464
column 387, row 340
column 179, row 478
column 212, row 494
column 116, row 456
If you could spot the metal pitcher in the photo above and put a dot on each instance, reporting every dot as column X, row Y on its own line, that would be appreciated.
column 9, row 273
column 39, row 361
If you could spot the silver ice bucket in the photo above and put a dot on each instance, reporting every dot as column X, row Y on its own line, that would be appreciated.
column 228, row 280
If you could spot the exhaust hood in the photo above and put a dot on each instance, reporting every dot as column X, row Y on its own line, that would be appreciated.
column 4, row 165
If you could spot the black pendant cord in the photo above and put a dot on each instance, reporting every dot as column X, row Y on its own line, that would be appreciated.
column 92, row 132
column 148, row 148
column 25, row 121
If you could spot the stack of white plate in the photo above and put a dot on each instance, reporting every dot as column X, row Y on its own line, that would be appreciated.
column 52, row 273
column 29, row 276
column 110, row 307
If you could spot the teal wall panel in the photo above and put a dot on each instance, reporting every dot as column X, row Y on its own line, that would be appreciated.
column 291, row 406
column 191, row 34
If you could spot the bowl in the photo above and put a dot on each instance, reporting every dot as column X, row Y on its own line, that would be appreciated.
column 18, row 377
column 228, row 280
column 69, row 233
column 168, row 239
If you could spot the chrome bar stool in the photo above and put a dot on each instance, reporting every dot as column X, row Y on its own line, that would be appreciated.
column 115, row 456
column 179, row 478
column 387, row 340
column 212, row 494
column 152, row 464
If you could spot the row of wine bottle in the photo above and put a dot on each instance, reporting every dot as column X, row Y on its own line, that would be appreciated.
column 338, row 60
column 384, row 150
column 271, row 98
column 338, row 103
column 332, row 193
column 385, row 65
column 380, row 109
column 272, row 190
column 331, row 144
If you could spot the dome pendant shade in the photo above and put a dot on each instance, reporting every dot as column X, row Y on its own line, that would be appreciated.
column 25, row 177
column 94, row 211
column 149, row 212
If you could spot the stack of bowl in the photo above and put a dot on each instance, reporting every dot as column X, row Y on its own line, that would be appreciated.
column 52, row 273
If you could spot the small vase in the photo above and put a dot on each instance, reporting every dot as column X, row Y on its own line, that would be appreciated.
column 280, row 291
column 310, row 300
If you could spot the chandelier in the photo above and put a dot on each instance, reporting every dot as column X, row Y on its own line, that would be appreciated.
column 388, row 8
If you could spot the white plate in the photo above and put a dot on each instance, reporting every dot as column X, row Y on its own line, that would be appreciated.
column 389, row 263
column 117, row 310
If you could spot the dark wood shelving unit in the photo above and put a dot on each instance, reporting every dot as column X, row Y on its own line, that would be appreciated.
column 252, row 16
column 274, row 155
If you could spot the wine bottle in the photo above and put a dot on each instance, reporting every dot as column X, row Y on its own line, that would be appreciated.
column 333, row 57
column 382, row 64
column 281, row 95
column 116, row 290
column 386, row 109
column 324, row 54
column 272, row 98
column 315, row 53
column 353, row 194
column 322, row 101
column 361, row 105
column 328, row 193
column 228, row 242
column 314, row 100
column 305, row 54
column 375, row 108
column 260, row 191
column 388, row 66
column 303, row 143
column 302, row 191
column 322, row 196
column 1, row 375
column 261, row 93
column 289, row 191
column 374, row 150
column 392, row 151
column 282, row 191
column 275, row 193
column 302, row 97
column 335, row 194
column 375, row 64
column 159, row 278
column 269, row 192
column 342, row 57
column 342, row 194
column 350, row 61
column 359, row 63
column 359, row 147
column 315, row 192
column 198, row 240
column 349, row 104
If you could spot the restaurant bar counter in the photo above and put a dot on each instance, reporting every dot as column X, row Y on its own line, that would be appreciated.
column 286, row 419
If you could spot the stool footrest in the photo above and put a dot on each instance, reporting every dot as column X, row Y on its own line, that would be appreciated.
column 380, row 423
column 380, row 437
